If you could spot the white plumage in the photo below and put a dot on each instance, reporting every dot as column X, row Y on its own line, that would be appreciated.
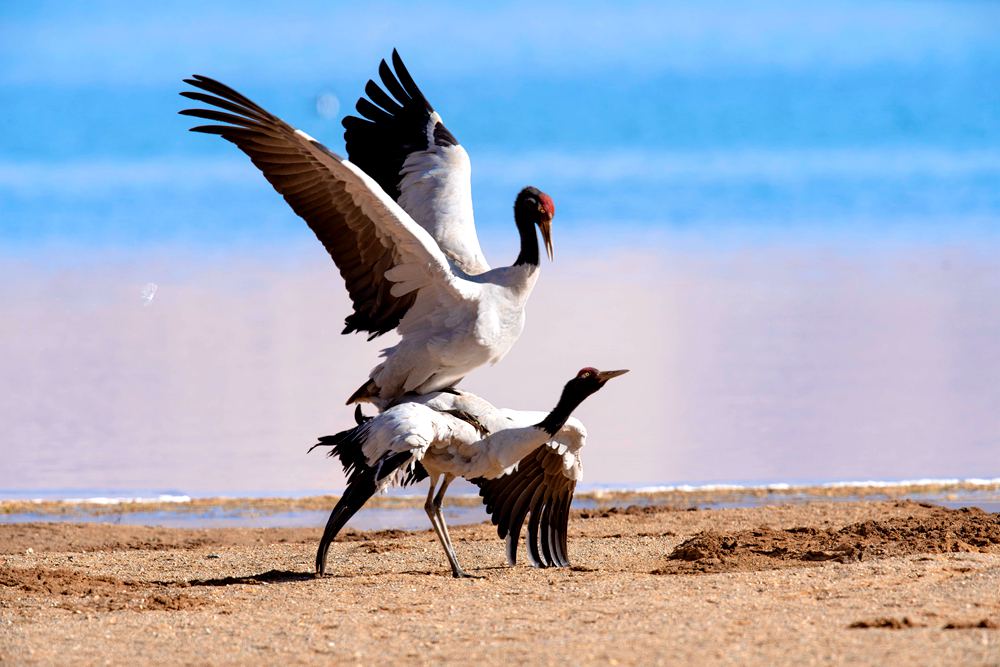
column 452, row 327
column 523, row 463
column 449, row 445
column 436, row 190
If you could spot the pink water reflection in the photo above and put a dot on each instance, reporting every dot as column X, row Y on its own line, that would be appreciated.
column 748, row 364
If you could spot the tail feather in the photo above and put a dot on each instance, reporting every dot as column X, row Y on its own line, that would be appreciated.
column 363, row 480
column 346, row 447
column 362, row 485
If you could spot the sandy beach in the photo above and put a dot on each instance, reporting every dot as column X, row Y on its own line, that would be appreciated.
column 869, row 582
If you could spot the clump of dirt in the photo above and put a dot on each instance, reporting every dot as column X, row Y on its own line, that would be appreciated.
column 84, row 592
column 938, row 530
column 887, row 623
column 985, row 623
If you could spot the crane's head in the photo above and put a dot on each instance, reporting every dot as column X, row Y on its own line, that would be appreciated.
column 533, row 206
column 588, row 380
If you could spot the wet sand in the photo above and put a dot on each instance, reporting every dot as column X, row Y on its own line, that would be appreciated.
column 816, row 583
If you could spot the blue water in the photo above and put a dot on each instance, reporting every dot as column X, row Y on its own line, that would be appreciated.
column 864, row 120
column 369, row 518
column 412, row 518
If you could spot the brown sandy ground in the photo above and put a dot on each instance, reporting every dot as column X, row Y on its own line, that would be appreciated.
column 818, row 583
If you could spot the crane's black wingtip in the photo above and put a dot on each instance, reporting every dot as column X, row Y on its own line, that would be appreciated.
column 202, row 81
column 221, row 130
column 397, row 62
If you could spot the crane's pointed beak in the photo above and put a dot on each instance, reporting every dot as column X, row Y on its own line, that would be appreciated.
column 604, row 376
column 546, row 228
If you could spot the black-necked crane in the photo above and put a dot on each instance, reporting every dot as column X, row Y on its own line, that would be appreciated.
column 523, row 462
column 398, row 225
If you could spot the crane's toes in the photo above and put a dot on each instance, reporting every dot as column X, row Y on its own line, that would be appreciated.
column 321, row 560
column 462, row 574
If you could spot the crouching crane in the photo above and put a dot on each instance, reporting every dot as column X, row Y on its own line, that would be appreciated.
column 523, row 462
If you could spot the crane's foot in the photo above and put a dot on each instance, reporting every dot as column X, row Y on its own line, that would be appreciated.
column 462, row 574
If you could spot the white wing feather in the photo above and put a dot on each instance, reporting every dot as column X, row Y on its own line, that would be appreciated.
column 436, row 189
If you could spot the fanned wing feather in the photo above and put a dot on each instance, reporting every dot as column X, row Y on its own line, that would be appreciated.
column 542, row 488
column 365, row 232
column 400, row 141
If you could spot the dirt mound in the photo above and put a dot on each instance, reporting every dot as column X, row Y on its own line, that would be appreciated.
column 79, row 591
column 939, row 530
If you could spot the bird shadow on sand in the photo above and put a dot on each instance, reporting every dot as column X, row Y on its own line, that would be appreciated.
column 447, row 574
column 269, row 577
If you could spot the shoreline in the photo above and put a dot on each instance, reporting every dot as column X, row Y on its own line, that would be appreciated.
column 668, row 495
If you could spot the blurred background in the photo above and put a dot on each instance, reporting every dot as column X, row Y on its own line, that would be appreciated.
column 784, row 219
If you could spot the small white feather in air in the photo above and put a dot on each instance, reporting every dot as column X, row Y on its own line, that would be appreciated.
column 148, row 292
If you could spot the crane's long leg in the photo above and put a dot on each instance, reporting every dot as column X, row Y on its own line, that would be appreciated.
column 432, row 515
column 438, row 502
column 432, row 507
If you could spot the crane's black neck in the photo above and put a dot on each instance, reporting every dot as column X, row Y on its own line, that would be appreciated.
column 556, row 419
column 529, row 240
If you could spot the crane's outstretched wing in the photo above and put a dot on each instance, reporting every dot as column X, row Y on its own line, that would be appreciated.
column 543, row 486
column 401, row 142
column 384, row 257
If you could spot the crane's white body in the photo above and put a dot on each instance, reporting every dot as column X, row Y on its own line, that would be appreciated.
column 443, row 338
column 458, row 322
column 448, row 445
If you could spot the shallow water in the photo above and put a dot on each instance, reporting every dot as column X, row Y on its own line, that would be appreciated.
column 414, row 518
column 371, row 518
